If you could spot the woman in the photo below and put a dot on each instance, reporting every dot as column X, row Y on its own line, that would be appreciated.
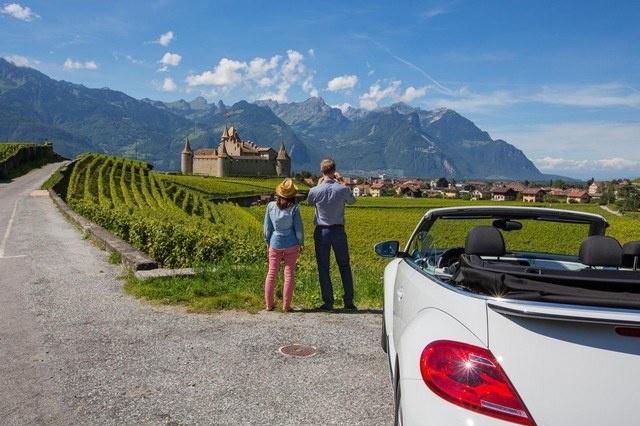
column 284, row 235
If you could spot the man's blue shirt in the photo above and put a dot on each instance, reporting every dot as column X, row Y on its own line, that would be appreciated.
column 330, row 199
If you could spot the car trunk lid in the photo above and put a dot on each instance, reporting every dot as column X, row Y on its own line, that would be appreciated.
column 567, row 362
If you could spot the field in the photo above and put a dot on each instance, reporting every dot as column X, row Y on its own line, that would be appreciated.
column 171, row 218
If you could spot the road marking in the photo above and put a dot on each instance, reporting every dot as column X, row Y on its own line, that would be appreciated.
column 6, row 233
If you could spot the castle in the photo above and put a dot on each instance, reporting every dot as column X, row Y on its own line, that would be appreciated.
column 235, row 157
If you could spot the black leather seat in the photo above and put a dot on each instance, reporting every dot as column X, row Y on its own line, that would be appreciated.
column 484, row 241
column 600, row 250
column 630, row 254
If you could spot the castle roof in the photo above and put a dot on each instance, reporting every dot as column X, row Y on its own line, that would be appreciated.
column 282, row 154
column 187, row 148
column 205, row 152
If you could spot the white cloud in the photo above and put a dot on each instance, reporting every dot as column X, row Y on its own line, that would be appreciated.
column 371, row 70
column 432, row 13
column 609, row 165
column 165, row 38
column 342, row 107
column 134, row 60
column 344, row 82
column 307, row 86
column 617, row 164
column 548, row 163
column 465, row 101
column 228, row 73
column 19, row 12
column 169, row 59
column 168, row 85
column 72, row 65
column 19, row 61
column 413, row 93
column 392, row 92
column 261, row 70
column 377, row 93
column 268, row 78
column 604, row 95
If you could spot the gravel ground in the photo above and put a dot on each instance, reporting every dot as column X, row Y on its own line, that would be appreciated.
column 77, row 350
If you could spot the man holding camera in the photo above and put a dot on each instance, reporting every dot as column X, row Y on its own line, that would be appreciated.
column 330, row 197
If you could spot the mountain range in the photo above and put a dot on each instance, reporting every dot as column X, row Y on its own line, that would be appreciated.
column 398, row 140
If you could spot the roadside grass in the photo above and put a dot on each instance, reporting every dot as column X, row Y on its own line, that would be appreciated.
column 227, row 285
column 115, row 258
column 53, row 179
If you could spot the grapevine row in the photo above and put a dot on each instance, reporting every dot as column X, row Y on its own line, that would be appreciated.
column 173, row 224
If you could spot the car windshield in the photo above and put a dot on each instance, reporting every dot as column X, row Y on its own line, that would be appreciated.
column 525, row 238
column 535, row 236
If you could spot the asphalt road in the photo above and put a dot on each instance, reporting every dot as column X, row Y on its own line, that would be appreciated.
column 75, row 350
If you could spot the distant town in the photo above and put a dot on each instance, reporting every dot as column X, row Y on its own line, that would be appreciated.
column 624, row 193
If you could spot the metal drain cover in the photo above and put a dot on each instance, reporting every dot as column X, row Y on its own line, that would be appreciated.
column 298, row 350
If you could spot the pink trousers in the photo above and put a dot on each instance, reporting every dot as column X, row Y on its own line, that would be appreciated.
column 290, row 256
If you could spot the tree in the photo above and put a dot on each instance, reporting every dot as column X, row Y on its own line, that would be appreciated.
column 442, row 183
column 629, row 198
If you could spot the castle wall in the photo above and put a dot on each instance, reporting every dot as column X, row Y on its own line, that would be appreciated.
column 205, row 166
column 251, row 167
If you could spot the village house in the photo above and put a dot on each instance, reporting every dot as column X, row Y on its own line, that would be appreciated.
column 560, row 194
column 578, row 196
column 503, row 193
column 379, row 189
column 409, row 191
column 533, row 195
column 595, row 188
column 451, row 192
column 361, row 190
column 480, row 194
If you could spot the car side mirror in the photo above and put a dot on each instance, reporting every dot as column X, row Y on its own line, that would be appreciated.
column 387, row 248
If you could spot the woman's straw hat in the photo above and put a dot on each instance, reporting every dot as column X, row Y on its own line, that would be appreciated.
column 287, row 189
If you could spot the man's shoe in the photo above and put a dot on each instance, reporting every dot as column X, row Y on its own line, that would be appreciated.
column 325, row 307
column 350, row 307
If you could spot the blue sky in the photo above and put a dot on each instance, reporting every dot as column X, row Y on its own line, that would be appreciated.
column 560, row 80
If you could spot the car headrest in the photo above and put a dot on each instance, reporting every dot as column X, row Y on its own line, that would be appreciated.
column 484, row 241
column 600, row 250
column 630, row 254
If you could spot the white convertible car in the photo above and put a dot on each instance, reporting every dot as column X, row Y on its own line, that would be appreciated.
column 513, row 315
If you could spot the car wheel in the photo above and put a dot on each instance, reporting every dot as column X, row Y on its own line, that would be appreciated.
column 397, row 399
column 383, row 336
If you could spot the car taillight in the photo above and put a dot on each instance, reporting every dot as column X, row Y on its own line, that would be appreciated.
column 470, row 377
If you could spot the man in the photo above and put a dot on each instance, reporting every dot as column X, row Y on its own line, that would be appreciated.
column 330, row 197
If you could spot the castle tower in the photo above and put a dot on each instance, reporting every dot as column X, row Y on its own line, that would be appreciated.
column 224, row 159
column 187, row 159
column 283, row 162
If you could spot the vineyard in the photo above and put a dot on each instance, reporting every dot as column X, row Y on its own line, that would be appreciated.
column 220, row 188
column 8, row 149
column 176, row 226
column 171, row 218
